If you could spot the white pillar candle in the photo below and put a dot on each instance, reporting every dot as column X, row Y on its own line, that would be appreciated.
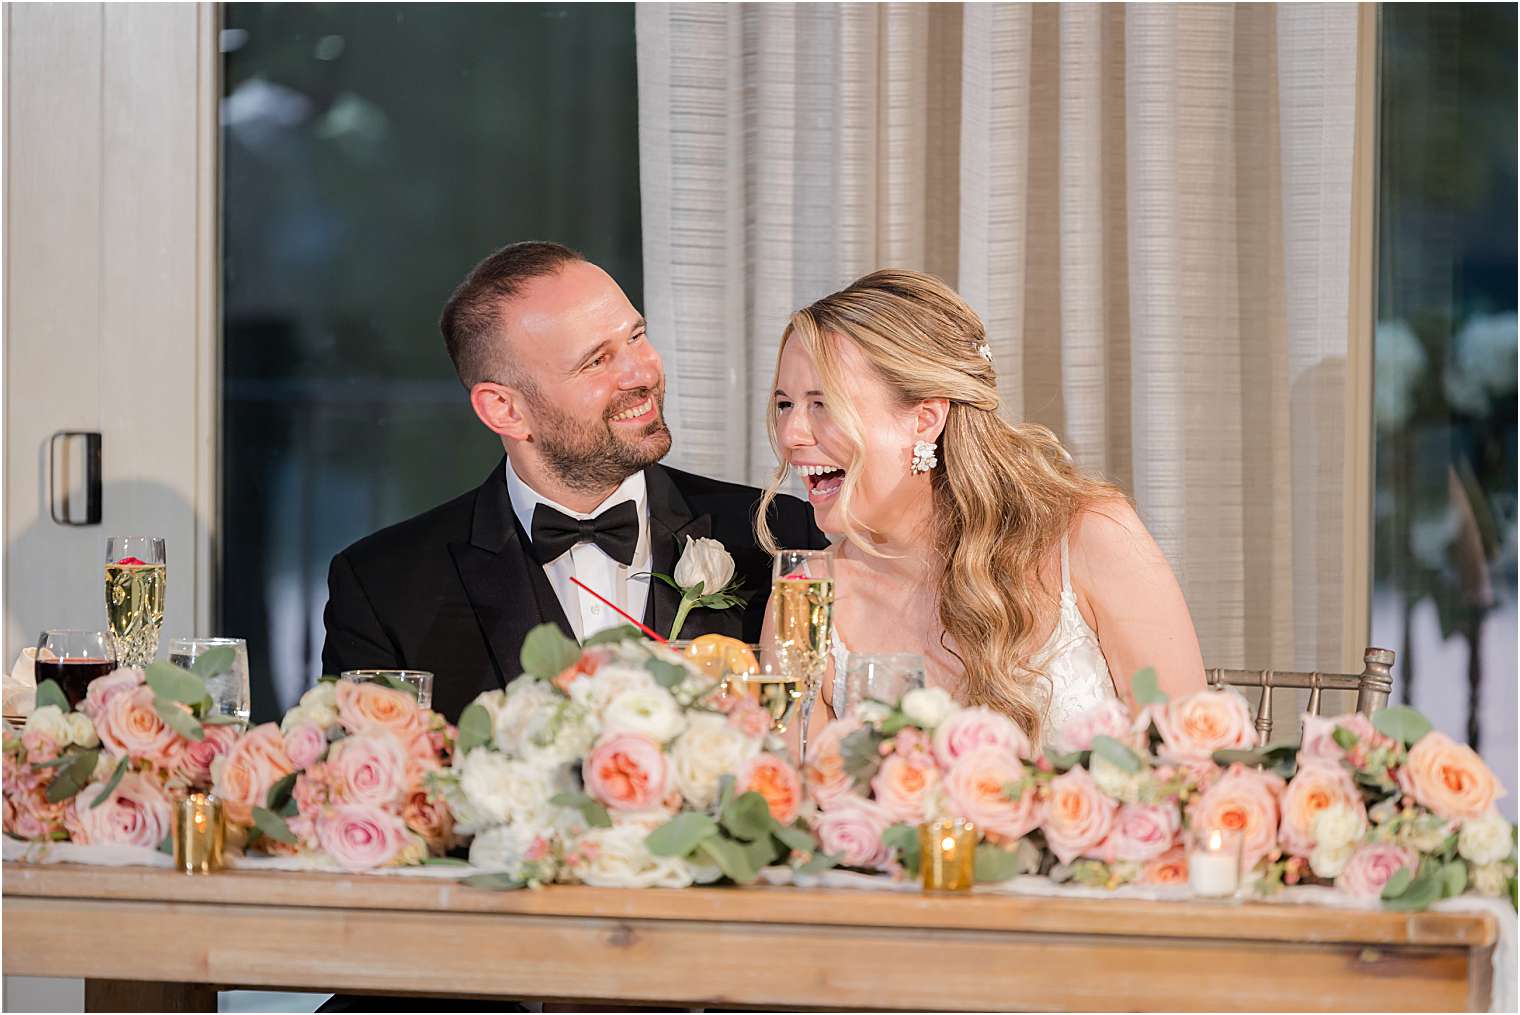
column 1214, row 865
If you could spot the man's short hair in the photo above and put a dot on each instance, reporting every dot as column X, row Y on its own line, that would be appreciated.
column 471, row 321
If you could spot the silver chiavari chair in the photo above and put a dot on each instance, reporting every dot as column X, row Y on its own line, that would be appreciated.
column 1372, row 686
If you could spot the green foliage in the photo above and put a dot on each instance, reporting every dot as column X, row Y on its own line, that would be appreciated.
column 860, row 754
column 280, row 793
column 1401, row 722
column 681, row 834
column 495, row 882
column 177, row 719
column 819, row 863
column 72, row 777
column 115, row 780
column 994, row 863
column 214, row 663
column 666, row 674
column 272, row 825
column 732, row 859
column 747, row 817
column 1115, row 753
column 1146, row 688
column 174, row 683
column 546, row 652
column 614, row 635
column 474, row 728
column 904, row 839
column 49, row 693
column 595, row 814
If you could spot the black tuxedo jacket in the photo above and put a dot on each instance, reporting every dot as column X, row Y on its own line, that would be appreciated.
column 455, row 590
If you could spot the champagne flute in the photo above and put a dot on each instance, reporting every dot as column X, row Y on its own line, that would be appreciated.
column 135, row 568
column 73, row 658
column 802, row 622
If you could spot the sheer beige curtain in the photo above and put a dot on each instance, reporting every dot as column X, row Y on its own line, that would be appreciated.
column 1151, row 206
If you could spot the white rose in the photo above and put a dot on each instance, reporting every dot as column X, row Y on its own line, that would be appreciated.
column 1491, row 879
column 1426, row 836
column 81, row 730
column 649, row 711
column 536, row 723
column 705, row 561
column 1337, row 828
column 105, row 766
column 617, row 858
column 1327, row 862
column 501, row 848
column 504, row 791
column 1115, row 781
column 872, row 712
column 50, row 721
column 929, row 706
column 709, row 749
column 595, row 692
column 320, row 704
column 1485, row 840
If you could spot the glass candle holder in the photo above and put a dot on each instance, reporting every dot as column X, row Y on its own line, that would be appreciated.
column 1214, row 863
column 200, row 833
column 947, row 854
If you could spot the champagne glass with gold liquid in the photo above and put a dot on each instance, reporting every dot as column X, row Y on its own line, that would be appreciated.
column 135, row 596
column 802, row 622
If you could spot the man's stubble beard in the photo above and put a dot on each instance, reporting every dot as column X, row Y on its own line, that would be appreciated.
column 592, row 458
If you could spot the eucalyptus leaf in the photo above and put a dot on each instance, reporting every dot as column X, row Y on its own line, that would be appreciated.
column 474, row 728
column 730, row 857
column 1344, row 738
column 218, row 719
column 904, row 839
column 860, row 754
column 1453, row 878
column 1398, row 883
column 445, row 861
column 214, row 663
column 167, row 846
column 279, row 794
column 1422, row 891
column 747, row 817
column 546, row 651
column 1146, row 688
column 177, row 719
column 1115, row 753
column 725, row 791
column 1251, row 759
column 73, row 777
column 666, row 674
column 895, row 724
column 1065, row 762
column 494, row 882
column 762, row 852
column 681, row 834
column 272, row 825
column 994, row 863
column 111, row 784
column 819, row 863
column 49, row 693
column 175, row 683
column 595, row 814
column 397, row 684
column 614, row 635
column 793, row 837
column 1400, row 722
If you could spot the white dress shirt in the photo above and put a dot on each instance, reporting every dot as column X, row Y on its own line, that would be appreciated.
column 588, row 562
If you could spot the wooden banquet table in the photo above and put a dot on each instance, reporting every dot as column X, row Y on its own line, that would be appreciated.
column 180, row 937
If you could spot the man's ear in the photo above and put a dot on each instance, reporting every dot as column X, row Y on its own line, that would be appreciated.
column 502, row 410
column 930, row 422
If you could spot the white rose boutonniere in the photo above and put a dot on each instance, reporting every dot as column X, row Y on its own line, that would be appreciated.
column 704, row 577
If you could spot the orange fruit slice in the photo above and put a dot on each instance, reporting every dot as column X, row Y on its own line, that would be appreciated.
column 718, row 654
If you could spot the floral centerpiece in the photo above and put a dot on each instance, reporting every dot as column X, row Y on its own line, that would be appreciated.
column 618, row 765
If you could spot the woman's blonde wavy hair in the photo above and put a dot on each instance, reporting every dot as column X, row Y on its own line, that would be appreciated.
column 1004, row 494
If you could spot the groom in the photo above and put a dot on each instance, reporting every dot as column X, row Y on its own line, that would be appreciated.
column 557, row 363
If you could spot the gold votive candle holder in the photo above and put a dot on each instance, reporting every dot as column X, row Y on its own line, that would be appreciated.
column 947, row 854
column 200, row 833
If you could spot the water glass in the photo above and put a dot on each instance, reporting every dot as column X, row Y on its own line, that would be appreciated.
column 418, row 682
column 880, row 676
column 225, row 674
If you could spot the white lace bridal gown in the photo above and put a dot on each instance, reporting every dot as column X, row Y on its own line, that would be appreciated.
column 1078, row 673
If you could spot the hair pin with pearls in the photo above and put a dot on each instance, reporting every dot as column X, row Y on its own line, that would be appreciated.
column 986, row 351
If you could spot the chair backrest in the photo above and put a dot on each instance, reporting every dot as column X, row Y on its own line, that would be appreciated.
column 1372, row 686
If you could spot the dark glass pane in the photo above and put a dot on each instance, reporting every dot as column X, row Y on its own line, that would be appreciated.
column 1445, row 559
column 372, row 155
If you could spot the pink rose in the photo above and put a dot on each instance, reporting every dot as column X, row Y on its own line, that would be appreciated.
column 973, row 728
column 305, row 744
column 128, row 724
column 1243, row 800
column 1371, row 866
column 777, row 782
column 1170, row 868
column 137, row 813
column 1317, row 786
column 1109, row 718
column 358, row 837
column 899, row 787
column 242, row 777
column 748, row 717
column 824, row 771
column 1193, row 728
column 977, row 788
column 367, row 706
column 195, row 756
column 1141, row 833
column 103, row 689
column 1449, row 778
column 627, row 772
column 1076, row 816
column 368, row 768
column 850, row 831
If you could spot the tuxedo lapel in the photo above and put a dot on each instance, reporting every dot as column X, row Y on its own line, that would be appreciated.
column 670, row 524
column 506, row 586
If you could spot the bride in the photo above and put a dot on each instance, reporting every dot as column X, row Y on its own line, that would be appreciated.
column 1026, row 585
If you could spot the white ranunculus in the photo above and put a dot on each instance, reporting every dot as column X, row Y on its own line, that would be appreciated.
column 705, row 561
column 501, row 849
column 1115, row 781
column 1328, row 861
column 504, row 791
column 709, row 749
column 1337, row 828
column 1491, row 879
column 536, row 723
column 617, row 858
column 1485, row 840
column 50, row 721
column 1426, row 835
column 928, row 706
column 81, row 730
column 595, row 692
column 650, row 711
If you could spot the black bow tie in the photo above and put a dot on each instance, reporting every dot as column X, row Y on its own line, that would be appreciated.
column 615, row 531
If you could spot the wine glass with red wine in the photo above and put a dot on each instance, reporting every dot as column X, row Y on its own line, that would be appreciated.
column 73, row 658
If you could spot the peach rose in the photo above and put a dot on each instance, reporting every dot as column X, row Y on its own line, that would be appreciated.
column 900, row 784
column 974, row 728
column 368, row 706
column 850, row 830
column 195, row 756
column 305, row 744
column 1371, row 866
column 1109, row 718
column 430, row 819
column 1317, row 786
column 1170, row 868
column 627, row 772
column 242, row 777
column 358, row 837
column 103, row 689
column 137, row 813
column 368, row 768
column 128, row 724
column 1449, row 778
column 977, row 788
column 1243, row 800
column 1141, row 833
column 1077, row 815
column 313, row 790
column 1194, row 727
column 824, row 772
column 775, row 780
column 1319, row 735
column 585, row 666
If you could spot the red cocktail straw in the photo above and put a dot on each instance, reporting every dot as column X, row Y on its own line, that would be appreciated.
column 619, row 612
